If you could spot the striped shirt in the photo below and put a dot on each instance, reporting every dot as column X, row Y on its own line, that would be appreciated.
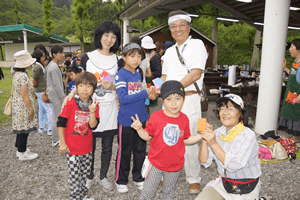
column 241, row 155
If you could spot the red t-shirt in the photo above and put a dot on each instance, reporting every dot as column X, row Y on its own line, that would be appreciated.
column 166, row 146
column 77, row 134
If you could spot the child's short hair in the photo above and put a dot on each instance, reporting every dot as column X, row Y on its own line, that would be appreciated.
column 56, row 49
column 86, row 78
column 76, row 70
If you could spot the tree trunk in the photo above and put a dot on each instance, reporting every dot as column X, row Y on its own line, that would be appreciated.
column 255, row 54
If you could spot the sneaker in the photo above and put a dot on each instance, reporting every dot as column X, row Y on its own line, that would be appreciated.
column 88, row 198
column 27, row 155
column 49, row 132
column 106, row 184
column 18, row 153
column 54, row 144
column 89, row 183
column 140, row 185
column 122, row 188
column 41, row 130
column 194, row 188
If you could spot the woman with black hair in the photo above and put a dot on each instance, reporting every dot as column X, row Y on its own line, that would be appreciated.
column 102, row 62
column 38, row 79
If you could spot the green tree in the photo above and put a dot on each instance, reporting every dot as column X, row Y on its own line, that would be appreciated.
column 101, row 11
column 47, row 18
column 16, row 10
column 81, row 19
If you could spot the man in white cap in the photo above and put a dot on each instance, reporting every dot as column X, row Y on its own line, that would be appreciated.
column 185, row 62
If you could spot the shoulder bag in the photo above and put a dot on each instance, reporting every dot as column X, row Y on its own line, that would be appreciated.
column 202, row 93
column 8, row 106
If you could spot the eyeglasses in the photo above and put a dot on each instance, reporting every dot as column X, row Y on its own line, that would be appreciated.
column 229, row 109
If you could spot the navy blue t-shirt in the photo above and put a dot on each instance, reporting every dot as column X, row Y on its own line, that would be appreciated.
column 131, row 97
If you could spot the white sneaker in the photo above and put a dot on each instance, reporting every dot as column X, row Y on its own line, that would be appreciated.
column 106, row 184
column 27, row 155
column 54, row 144
column 122, row 188
column 18, row 153
column 89, row 183
column 49, row 132
column 140, row 185
column 41, row 130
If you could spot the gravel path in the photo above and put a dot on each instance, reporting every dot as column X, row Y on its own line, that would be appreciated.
column 46, row 177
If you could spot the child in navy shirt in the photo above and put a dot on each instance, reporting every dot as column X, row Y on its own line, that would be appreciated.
column 72, row 74
column 132, row 101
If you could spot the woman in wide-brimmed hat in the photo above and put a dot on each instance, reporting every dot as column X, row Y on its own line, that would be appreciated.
column 235, row 149
column 23, row 118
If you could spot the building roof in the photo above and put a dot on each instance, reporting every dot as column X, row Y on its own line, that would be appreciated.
column 14, row 33
column 247, row 12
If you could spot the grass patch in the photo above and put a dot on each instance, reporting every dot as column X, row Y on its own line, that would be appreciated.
column 5, row 89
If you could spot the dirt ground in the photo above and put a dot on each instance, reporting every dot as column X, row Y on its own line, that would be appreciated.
column 47, row 177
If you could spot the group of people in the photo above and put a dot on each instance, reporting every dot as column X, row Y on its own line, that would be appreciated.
column 109, row 99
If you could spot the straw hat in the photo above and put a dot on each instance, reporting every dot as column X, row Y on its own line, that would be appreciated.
column 23, row 59
column 147, row 43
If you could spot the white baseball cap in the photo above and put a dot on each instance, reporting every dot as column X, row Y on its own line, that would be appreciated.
column 147, row 43
column 234, row 98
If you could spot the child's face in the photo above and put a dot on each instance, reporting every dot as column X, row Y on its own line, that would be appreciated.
column 73, row 76
column 173, row 104
column 84, row 91
column 132, row 61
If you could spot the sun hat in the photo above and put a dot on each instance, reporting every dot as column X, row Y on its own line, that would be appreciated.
column 147, row 43
column 23, row 59
column 171, row 87
column 177, row 15
column 234, row 98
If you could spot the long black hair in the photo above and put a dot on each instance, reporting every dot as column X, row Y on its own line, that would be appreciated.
column 38, row 54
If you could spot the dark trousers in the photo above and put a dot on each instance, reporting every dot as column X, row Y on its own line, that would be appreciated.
column 130, row 142
column 21, row 142
column 107, row 142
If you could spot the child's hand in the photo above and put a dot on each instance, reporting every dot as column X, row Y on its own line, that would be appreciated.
column 106, row 84
column 63, row 148
column 151, row 93
column 137, row 125
column 93, row 106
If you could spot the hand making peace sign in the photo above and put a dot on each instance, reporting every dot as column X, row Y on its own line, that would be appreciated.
column 93, row 106
column 137, row 125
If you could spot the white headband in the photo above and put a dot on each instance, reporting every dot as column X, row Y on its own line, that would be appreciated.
column 178, row 17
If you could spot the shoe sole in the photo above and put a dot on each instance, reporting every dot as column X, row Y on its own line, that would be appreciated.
column 27, row 158
column 194, row 191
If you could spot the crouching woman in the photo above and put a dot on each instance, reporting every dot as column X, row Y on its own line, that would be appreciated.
column 235, row 149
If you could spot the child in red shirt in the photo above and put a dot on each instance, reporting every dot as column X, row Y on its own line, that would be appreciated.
column 168, row 131
column 75, row 124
